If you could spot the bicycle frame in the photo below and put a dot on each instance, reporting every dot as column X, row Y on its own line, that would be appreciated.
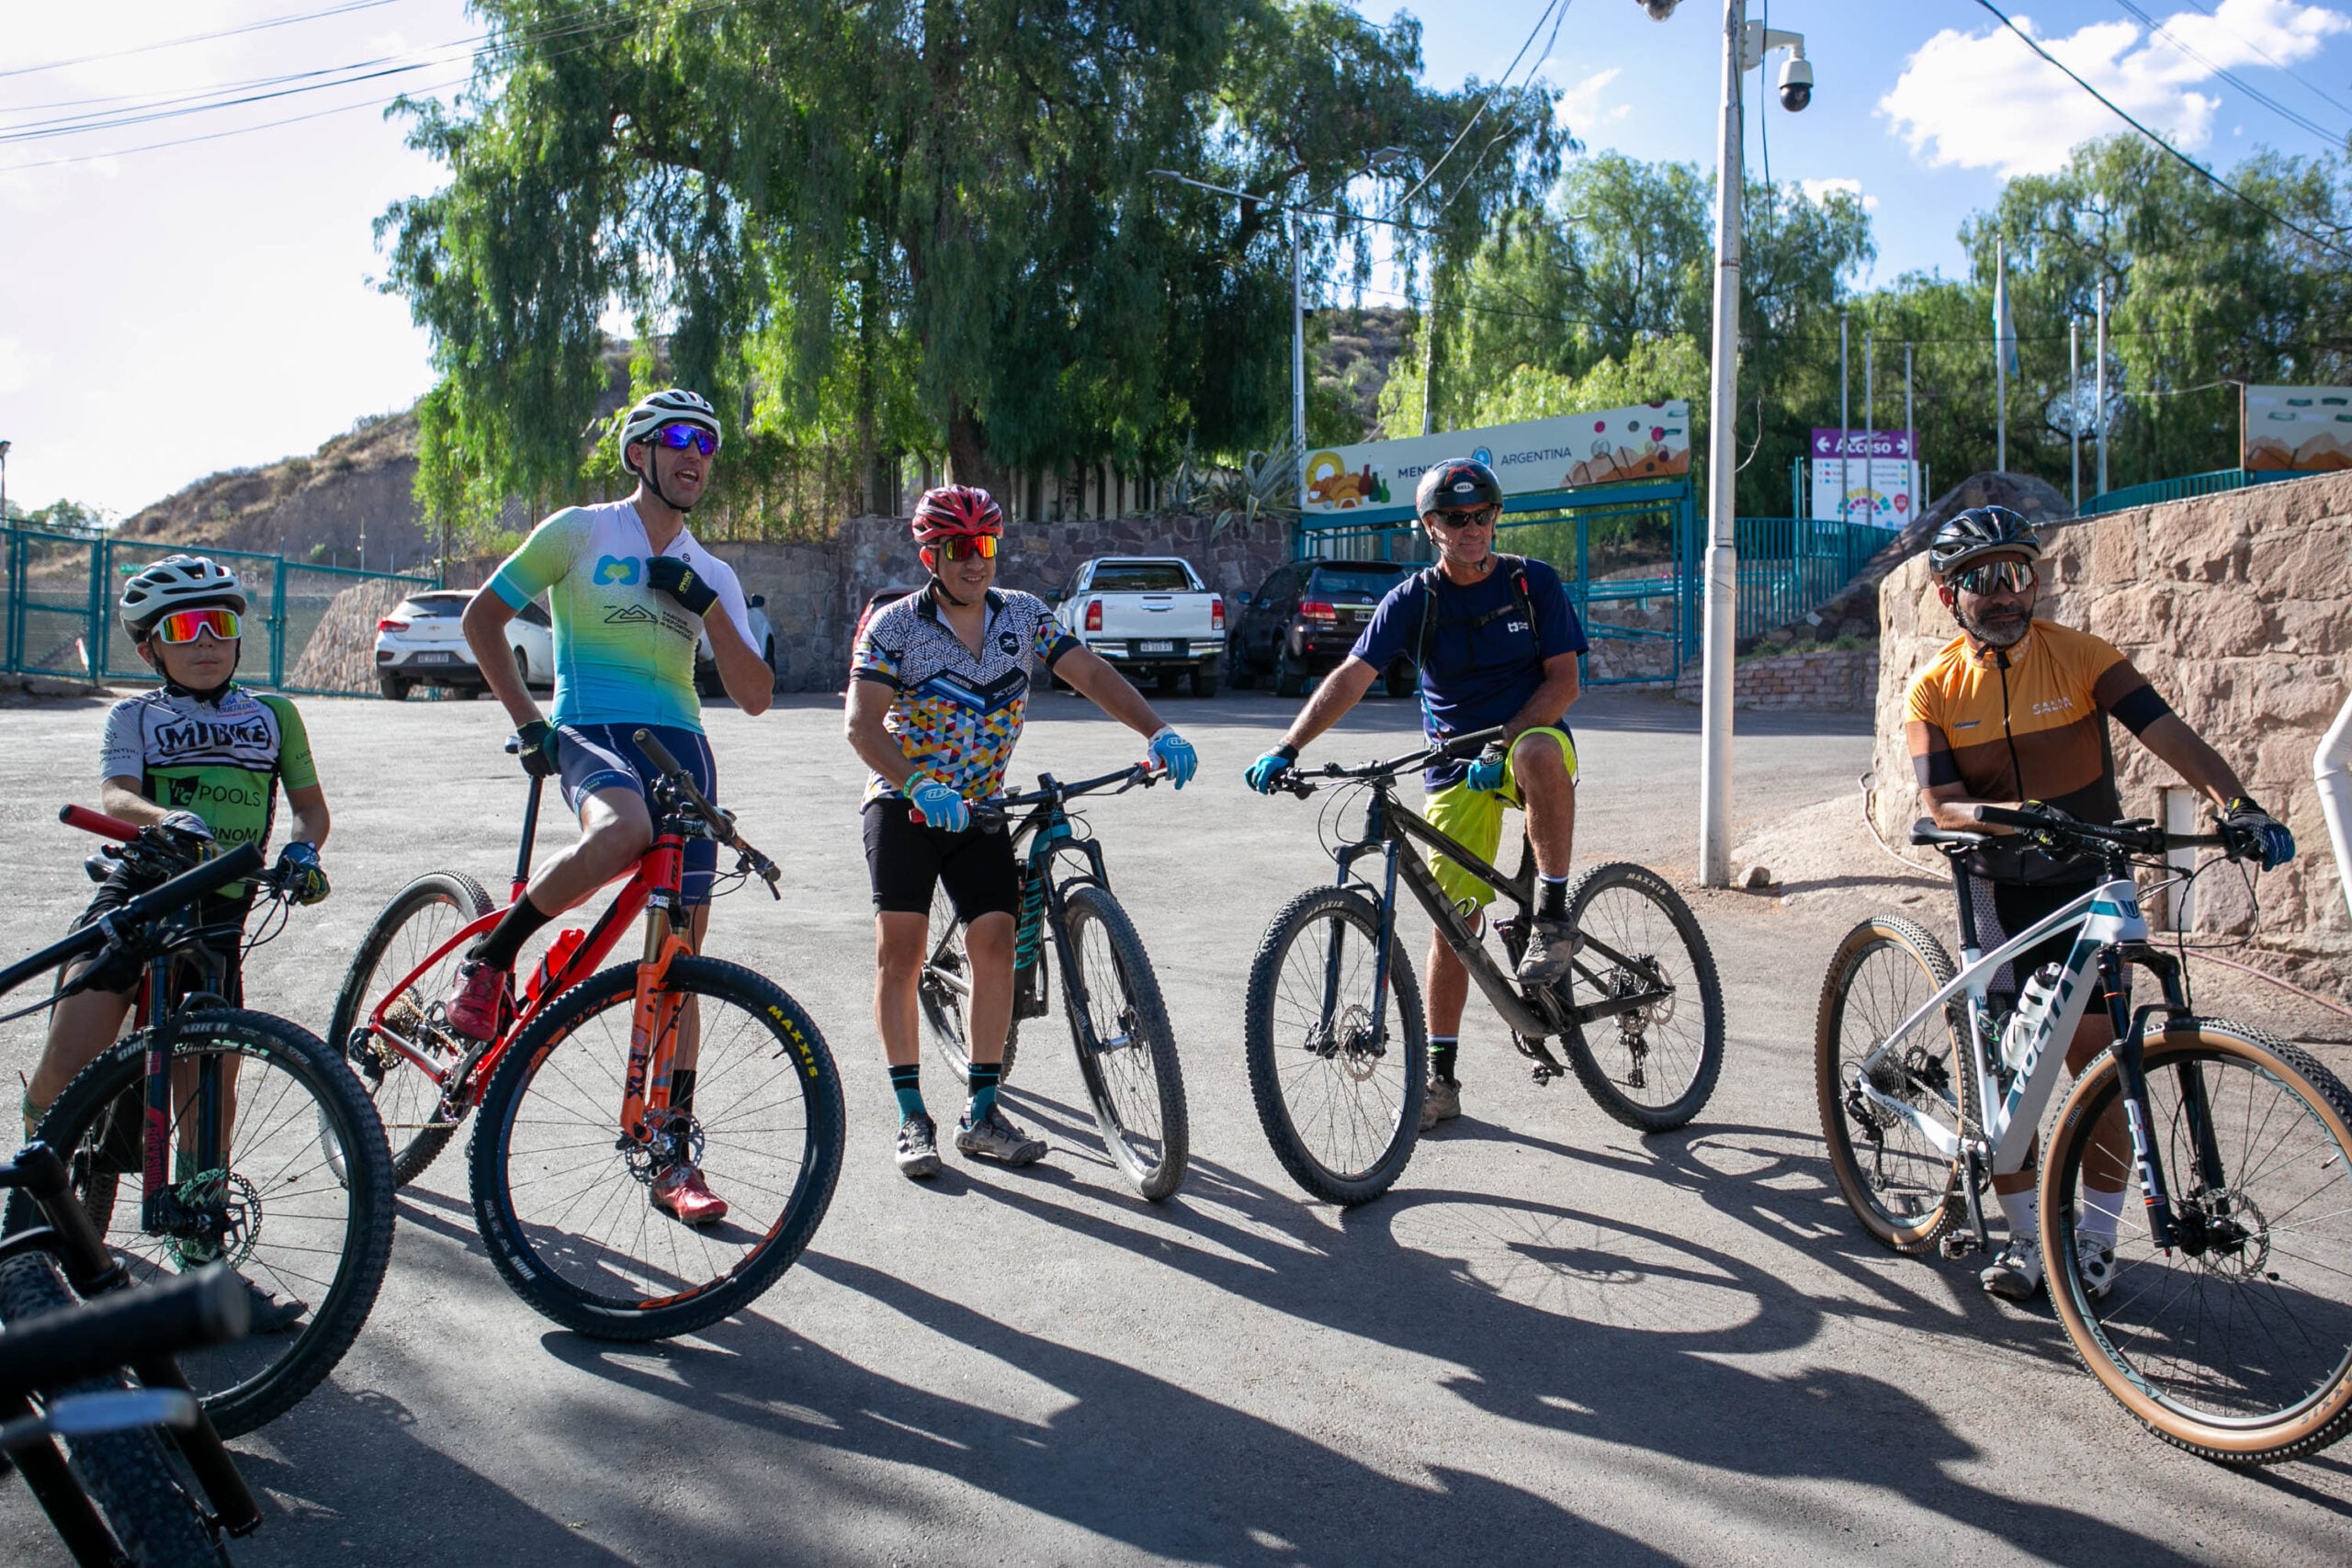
column 1044, row 903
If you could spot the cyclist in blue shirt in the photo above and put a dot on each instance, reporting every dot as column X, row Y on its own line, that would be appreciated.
column 1497, row 641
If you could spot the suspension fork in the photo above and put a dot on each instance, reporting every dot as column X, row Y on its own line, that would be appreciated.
column 2130, row 1070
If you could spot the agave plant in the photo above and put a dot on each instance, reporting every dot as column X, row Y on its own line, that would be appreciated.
column 1265, row 485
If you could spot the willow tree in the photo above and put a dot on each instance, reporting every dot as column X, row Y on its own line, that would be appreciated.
column 924, row 223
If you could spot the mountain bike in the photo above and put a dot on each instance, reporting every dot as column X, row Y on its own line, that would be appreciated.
column 2225, row 1324
column 1336, row 1042
column 249, row 1141
column 1126, row 1052
column 147, row 1480
column 577, row 1096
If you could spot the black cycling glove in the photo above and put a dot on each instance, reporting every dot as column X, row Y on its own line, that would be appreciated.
column 2264, row 835
column 539, row 748
column 681, row 583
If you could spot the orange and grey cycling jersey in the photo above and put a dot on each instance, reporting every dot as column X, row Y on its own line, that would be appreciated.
column 2028, row 722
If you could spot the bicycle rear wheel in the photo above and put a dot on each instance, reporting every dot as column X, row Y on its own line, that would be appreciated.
column 1339, row 1090
column 421, row 917
column 304, row 1197
column 1126, row 1052
column 154, row 1516
column 2237, row 1345
column 1653, row 1067
column 1906, row 1192
column 564, row 1202
column 944, row 991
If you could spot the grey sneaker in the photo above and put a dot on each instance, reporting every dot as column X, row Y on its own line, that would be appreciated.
column 2016, row 1275
column 2094, row 1263
column 1550, row 945
column 271, row 1314
column 997, row 1138
column 918, row 1147
column 1441, row 1102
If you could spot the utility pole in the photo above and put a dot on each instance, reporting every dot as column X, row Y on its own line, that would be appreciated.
column 2075, row 407
column 1911, row 433
column 2099, row 373
column 1844, row 423
column 1722, row 623
column 1298, row 357
column 2000, row 358
column 1870, row 430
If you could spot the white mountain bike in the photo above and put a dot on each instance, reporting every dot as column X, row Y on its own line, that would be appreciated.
column 2225, row 1324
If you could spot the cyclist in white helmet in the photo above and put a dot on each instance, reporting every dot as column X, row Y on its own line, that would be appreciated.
column 631, row 593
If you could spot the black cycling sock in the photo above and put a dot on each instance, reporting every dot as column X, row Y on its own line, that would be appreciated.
column 1441, row 1050
column 682, row 1090
column 1550, row 898
column 983, row 1078
column 907, row 1084
column 504, row 943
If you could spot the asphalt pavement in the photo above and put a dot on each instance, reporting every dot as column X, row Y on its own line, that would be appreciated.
column 1552, row 1341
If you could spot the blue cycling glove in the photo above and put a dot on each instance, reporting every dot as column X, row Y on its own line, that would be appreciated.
column 1174, row 752
column 938, row 802
column 1265, row 773
column 2275, row 844
column 299, row 872
column 1486, row 775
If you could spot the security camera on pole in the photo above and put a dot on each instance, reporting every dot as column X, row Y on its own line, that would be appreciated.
column 1745, row 45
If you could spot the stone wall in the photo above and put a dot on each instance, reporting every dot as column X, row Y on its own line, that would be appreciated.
column 2238, row 607
column 1827, row 680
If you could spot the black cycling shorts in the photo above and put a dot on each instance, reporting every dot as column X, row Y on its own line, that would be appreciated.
column 907, row 863
column 2004, row 908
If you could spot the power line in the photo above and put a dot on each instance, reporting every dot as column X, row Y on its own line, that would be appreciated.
column 200, row 37
column 1500, row 81
column 2278, row 64
column 2187, row 162
column 2291, row 115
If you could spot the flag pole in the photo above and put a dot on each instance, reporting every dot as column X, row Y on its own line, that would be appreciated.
column 2000, row 358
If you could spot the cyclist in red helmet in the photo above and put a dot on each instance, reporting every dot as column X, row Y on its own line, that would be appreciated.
column 939, row 681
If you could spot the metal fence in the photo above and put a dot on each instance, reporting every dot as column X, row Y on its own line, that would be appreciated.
column 2158, row 491
column 61, row 589
column 1643, row 610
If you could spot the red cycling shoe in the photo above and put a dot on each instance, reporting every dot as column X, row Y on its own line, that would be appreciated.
column 473, row 1006
column 682, row 1193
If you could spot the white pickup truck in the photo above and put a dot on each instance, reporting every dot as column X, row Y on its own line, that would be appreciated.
column 1150, row 615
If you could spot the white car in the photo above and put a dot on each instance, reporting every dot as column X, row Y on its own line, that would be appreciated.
column 707, row 682
column 422, row 643
column 1151, row 615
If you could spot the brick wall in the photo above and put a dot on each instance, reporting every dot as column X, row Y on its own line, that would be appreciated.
column 2238, row 607
column 1835, row 680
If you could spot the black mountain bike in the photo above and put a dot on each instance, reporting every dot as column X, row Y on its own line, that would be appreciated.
column 1126, row 1053
column 1337, row 1045
column 216, row 1133
column 144, row 1478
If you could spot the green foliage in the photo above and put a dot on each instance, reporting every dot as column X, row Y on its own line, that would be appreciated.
column 60, row 517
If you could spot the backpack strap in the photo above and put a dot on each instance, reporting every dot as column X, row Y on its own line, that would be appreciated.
column 1523, row 600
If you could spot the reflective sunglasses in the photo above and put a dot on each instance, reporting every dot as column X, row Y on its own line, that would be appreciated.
column 965, row 548
column 1469, row 517
column 186, row 626
column 1997, row 577
column 678, row 438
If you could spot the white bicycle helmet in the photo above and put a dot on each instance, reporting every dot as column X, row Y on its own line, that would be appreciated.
column 178, row 582
column 675, row 406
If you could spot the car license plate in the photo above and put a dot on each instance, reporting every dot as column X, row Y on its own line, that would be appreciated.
column 1156, row 645
column 435, row 659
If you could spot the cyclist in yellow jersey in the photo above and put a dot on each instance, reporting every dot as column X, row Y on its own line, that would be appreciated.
column 2013, row 712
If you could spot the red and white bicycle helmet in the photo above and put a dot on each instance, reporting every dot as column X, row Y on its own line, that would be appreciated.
column 957, row 512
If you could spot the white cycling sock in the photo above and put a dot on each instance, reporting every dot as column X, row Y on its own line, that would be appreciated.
column 2101, row 1215
column 2018, row 1208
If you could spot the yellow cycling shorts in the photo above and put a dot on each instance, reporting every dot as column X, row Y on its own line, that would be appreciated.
column 1474, row 819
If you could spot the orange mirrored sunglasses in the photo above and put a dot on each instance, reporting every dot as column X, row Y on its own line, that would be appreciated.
column 967, row 546
column 186, row 626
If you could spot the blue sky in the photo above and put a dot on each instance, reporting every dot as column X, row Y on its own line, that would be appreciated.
column 166, row 313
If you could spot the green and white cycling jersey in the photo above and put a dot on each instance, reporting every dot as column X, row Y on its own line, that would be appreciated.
column 624, row 653
column 222, row 761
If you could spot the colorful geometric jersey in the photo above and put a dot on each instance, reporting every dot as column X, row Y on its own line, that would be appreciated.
column 624, row 653
column 956, row 716
column 221, row 760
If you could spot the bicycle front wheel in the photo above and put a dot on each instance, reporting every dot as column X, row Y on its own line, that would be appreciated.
column 1903, row 1190
column 1654, row 1065
column 299, row 1200
column 152, row 1516
column 2235, row 1345
column 564, row 1200
column 1126, row 1052
column 1339, row 1086
column 421, row 917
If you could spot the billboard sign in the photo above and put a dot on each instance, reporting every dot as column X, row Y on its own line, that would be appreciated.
column 2296, row 430
column 1883, row 491
column 1533, row 457
column 1860, row 443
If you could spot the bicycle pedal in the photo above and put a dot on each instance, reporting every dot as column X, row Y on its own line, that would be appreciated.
column 1959, row 1244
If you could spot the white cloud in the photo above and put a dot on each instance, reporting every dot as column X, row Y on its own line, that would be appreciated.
column 1580, row 107
column 19, row 367
column 1814, row 191
column 1984, row 101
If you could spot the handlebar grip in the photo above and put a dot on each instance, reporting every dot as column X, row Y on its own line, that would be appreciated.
column 2002, row 817
column 656, row 753
column 1470, row 745
column 97, row 822
column 208, row 1307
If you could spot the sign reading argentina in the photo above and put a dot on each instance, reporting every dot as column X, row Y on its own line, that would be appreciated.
column 1646, row 442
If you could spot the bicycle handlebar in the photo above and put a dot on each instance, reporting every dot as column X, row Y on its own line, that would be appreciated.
column 1456, row 747
column 2139, row 837
column 721, row 823
column 97, row 822
column 207, row 1307
column 236, row 866
column 986, row 813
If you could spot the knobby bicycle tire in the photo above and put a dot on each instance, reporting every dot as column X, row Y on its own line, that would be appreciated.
column 154, row 1516
column 1142, row 1024
column 1639, row 1038
column 408, row 1100
column 332, row 1146
column 1883, row 969
column 1270, row 1049
column 2285, row 1248
column 536, row 1273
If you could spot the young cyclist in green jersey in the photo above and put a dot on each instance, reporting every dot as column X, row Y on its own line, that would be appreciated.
column 200, row 762
column 631, row 593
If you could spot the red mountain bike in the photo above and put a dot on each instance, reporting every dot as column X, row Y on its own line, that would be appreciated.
column 578, row 1112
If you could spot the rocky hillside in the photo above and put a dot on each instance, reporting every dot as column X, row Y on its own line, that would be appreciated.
column 359, row 483
column 1352, row 363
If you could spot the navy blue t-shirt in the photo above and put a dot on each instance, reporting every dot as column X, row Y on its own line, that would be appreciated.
column 1479, row 671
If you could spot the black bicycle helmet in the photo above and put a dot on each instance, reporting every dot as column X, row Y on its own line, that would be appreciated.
column 1453, row 483
column 1979, row 532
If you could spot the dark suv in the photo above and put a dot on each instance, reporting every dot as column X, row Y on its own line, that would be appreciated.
column 1303, row 619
